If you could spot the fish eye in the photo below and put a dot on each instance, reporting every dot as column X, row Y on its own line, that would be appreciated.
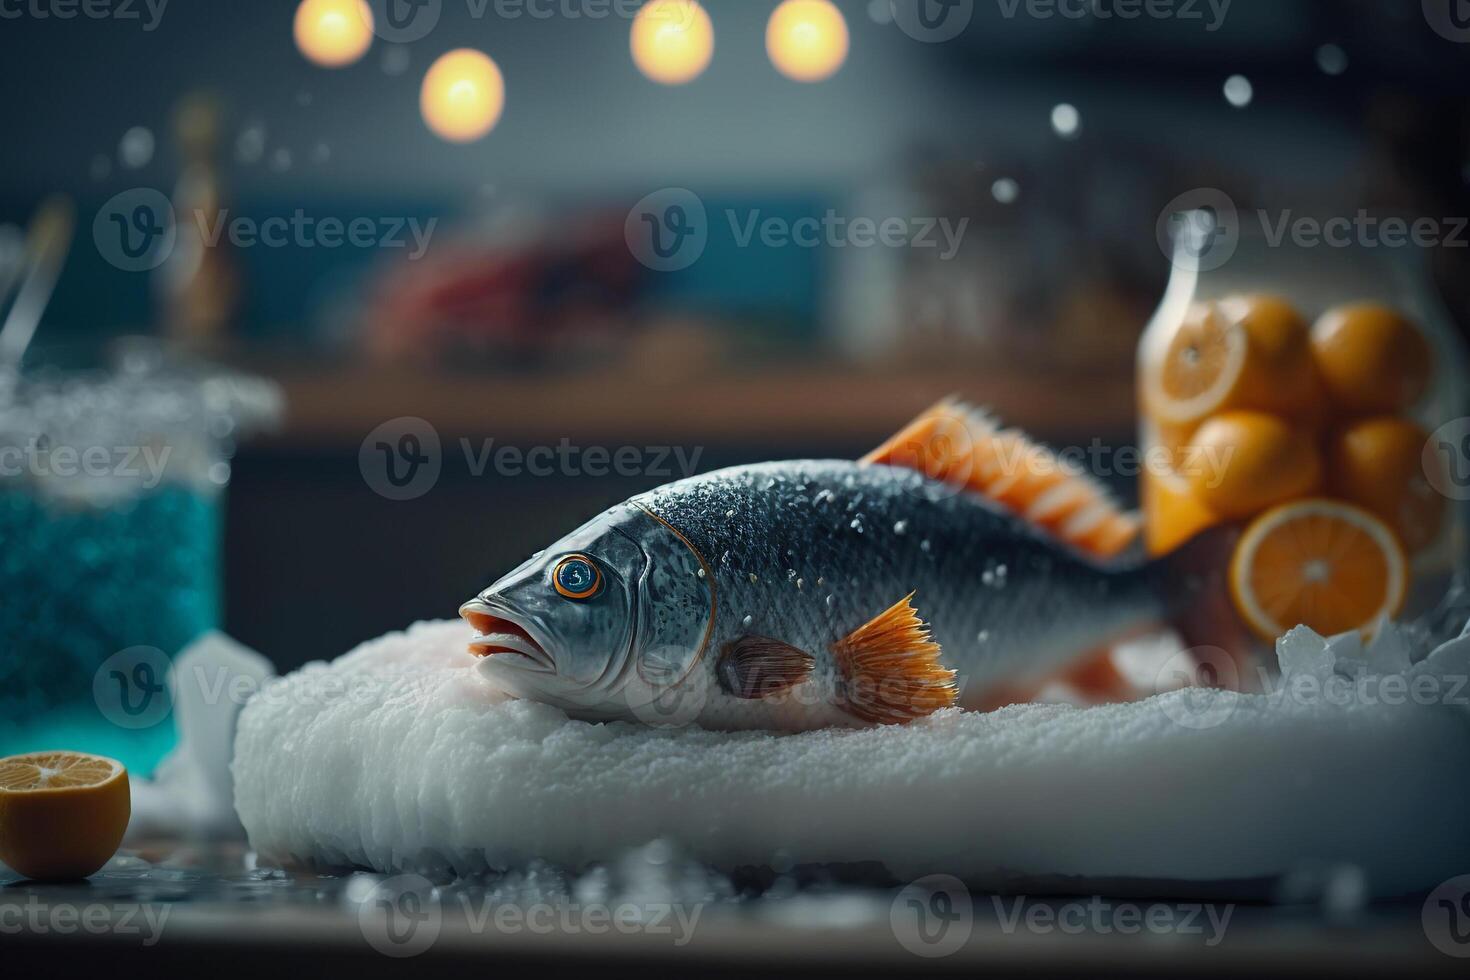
column 577, row 577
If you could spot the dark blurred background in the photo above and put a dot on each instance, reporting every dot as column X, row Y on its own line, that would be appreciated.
column 529, row 321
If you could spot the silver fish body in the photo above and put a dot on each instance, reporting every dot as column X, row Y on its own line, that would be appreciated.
column 803, row 553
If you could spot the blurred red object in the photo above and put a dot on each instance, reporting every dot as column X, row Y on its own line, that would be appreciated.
column 554, row 293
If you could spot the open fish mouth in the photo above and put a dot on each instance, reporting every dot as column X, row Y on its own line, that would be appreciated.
column 499, row 636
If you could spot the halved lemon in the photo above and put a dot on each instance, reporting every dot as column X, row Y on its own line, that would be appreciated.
column 62, row 814
column 1318, row 563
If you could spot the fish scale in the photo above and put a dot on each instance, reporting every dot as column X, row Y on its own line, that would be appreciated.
column 1051, row 605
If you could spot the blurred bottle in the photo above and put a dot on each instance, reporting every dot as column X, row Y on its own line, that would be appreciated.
column 200, row 282
column 1302, row 393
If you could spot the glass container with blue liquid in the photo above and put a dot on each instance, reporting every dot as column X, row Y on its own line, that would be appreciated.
column 111, row 489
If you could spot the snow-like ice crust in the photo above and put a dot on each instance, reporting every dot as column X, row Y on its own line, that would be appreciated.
column 397, row 756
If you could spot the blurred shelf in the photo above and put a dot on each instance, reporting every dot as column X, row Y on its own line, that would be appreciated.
column 808, row 404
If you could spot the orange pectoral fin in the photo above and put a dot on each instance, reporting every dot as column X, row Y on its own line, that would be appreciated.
column 964, row 447
column 890, row 668
column 755, row 667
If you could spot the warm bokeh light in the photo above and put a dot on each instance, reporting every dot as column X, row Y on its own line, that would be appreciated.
column 333, row 33
column 673, row 41
column 807, row 39
column 463, row 95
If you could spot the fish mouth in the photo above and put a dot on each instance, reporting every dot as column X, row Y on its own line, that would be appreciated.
column 498, row 635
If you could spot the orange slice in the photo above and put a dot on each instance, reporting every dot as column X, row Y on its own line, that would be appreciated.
column 1241, row 352
column 62, row 814
column 1378, row 464
column 1319, row 563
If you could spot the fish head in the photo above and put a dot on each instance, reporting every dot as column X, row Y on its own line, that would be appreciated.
column 600, row 622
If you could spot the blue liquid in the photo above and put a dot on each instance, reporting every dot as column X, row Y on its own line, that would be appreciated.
column 79, row 584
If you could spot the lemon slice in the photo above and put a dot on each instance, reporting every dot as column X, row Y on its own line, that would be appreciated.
column 62, row 814
column 1318, row 563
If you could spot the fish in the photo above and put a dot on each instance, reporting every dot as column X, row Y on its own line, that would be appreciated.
column 955, row 564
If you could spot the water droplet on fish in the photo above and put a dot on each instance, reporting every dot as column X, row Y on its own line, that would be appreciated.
column 831, row 601
column 730, row 513
column 753, row 578
column 699, row 572
column 801, row 582
column 857, row 524
column 821, row 581
column 747, row 621
column 900, row 527
column 790, row 574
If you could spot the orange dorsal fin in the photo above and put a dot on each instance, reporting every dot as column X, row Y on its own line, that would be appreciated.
column 890, row 668
column 963, row 446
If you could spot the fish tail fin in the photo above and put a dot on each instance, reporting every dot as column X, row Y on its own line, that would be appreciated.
column 1193, row 584
column 958, row 444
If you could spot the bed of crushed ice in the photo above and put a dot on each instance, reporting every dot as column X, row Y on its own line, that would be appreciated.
column 1347, row 775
